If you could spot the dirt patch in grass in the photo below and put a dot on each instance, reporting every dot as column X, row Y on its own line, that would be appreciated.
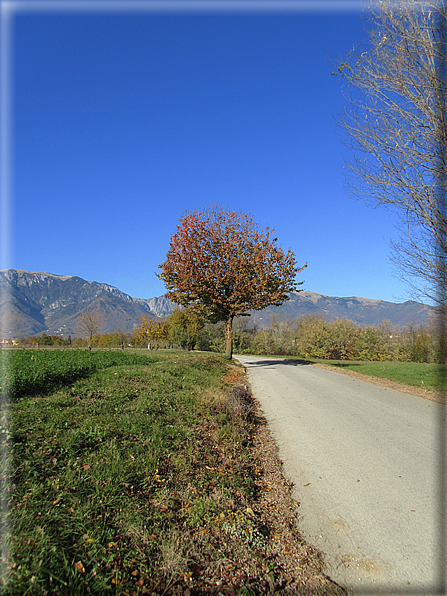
column 439, row 397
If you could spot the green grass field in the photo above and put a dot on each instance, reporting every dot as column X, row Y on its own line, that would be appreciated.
column 109, row 475
column 425, row 376
column 131, row 477
column 27, row 372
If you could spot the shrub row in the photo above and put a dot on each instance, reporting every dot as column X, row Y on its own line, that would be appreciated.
column 313, row 337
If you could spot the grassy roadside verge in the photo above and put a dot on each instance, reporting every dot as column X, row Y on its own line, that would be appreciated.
column 149, row 479
column 416, row 374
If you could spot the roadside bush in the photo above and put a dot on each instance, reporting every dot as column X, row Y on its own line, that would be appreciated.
column 334, row 340
column 421, row 345
column 263, row 342
column 243, row 401
column 369, row 345
column 211, row 338
column 340, row 339
column 184, row 327
column 313, row 337
column 243, row 334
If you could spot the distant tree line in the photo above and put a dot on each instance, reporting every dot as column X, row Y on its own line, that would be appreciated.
column 305, row 337
column 313, row 337
column 43, row 340
column 180, row 330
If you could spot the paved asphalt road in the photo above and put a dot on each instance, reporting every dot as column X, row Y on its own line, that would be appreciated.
column 368, row 465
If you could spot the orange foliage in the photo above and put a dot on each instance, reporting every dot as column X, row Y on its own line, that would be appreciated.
column 221, row 265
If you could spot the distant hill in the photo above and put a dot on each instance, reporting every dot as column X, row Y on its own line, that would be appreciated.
column 32, row 303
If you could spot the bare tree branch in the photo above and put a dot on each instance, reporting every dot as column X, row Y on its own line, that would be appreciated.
column 90, row 323
column 396, row 125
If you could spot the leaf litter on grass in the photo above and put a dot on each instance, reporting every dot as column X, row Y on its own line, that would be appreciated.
column 157, row 480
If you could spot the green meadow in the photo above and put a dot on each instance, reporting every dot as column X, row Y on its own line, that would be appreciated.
column 418, row 374
column 132, row 474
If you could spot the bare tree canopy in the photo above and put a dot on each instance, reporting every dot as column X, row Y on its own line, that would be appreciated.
column 396, row 124
column 90, row 323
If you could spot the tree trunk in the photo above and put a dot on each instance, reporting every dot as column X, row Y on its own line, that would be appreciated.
column 229, row 338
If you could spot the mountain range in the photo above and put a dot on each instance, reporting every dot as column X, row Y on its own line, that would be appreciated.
column 32, row 303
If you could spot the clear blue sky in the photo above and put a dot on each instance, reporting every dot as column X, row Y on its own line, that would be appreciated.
column 124, row 120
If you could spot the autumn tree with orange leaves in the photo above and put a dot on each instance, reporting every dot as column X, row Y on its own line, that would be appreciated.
column 220, row 265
